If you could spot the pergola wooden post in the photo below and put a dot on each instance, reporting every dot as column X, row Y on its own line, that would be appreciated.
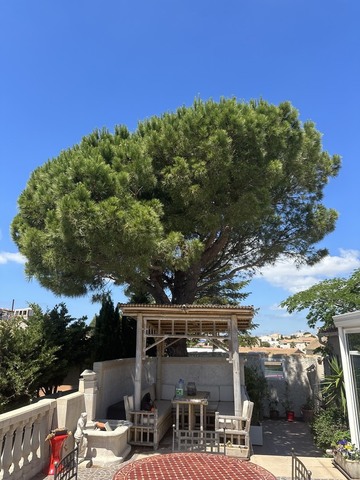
column 220, row 324
column 236, row 366
column 138, row 361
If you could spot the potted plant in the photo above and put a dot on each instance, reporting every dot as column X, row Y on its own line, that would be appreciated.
column 289, row 412
column 288, row 405
column 256, row 387
column 347, row 459
column 307, row 410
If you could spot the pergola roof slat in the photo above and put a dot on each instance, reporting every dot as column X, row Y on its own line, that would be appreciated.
column 190, row 320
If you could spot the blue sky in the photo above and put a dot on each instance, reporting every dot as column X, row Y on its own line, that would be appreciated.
column 72, row 66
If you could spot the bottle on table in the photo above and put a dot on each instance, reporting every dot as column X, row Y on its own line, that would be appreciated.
column 180, row 388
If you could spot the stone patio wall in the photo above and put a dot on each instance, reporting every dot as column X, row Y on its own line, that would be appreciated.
column 302, row 376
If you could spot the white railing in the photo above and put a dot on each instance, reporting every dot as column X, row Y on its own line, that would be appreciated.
column 23, row 450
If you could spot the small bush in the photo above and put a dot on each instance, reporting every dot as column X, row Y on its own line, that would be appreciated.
column 329, row 426
column 256, row 387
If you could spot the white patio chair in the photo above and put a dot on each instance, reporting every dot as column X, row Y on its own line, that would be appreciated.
column 234, row 431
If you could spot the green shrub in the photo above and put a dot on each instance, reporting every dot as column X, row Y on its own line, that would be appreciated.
column 329, row 426
column 256, row 387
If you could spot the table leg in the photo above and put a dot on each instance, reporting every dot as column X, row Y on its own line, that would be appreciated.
column 201, row 417
column 191, row 417
column 177, row 416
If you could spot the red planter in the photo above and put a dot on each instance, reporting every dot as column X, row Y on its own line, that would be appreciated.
column 290, row 416
column 56, row 445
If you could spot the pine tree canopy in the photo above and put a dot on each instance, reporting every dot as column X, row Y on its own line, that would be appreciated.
column 183, row 209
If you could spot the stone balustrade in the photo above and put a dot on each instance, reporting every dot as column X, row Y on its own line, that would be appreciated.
column 23, row 450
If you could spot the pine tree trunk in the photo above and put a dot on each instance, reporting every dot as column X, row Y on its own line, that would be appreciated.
column 183, row 293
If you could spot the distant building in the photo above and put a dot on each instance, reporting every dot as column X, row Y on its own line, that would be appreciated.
column 272, row 339
column 25, row 313
column 313, row 346
column 300, row 343
column 6, row 314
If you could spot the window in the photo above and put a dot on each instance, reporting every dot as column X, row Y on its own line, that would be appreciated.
column 273, row 369
column 354, row 352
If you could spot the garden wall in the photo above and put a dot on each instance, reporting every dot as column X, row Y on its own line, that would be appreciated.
column 301, row 377
column 115, row 378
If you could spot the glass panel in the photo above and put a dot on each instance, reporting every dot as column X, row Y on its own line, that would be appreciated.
column 355, row 365
column 354, row 342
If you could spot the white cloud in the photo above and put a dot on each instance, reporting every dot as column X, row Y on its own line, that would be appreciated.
column 286, row 275
column 7, row 257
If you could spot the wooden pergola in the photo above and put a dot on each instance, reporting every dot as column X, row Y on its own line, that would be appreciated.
column 166, row 324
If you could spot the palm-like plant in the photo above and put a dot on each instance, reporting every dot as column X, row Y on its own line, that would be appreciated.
column 333, row 387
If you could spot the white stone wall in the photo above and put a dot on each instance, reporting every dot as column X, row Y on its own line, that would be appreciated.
column 68, row 410
column 201, row 370
column 115, row 378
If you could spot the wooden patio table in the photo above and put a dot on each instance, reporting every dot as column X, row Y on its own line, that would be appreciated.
column 194, row 466
column 201, row 399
